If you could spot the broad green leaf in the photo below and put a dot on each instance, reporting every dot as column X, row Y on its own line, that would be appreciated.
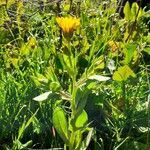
column 127, row 11
column 141, row 12
column 81, row 119
column 129, row 52
column 42, row 97
column 135, row 10
column 147, row 50
column 123, row 73
column 67, row 62
column 60, row 123
column 81, row 99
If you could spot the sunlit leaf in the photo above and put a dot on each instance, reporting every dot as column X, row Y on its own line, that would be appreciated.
column 81, row 99
column 8, row 2
column 2, row 2
column 99, row 63
column 60, row 123
column 123, row 73
column 14, row 61
column 54, row 86
column 129, row 52
column 81, row 119
column 42, row 97
column 127, row 11
column 147, row 50
column 99, row 78
column 134, row 10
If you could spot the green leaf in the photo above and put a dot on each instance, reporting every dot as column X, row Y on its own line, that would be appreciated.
column 86, row 141
column 2, row 2
column 78, row 139
column 55, row 86
column 60, row 123
column 25, row 125
column 129, row 52
column 50, row 74
column 135, row 11
column 18, row 145
column 99, row 78
column 127, row 11
column 42, row 97
column 81, row 119
column 81, row 99
column 67, row 62
column 147, row 50
column 8, row 2
column 123, row 73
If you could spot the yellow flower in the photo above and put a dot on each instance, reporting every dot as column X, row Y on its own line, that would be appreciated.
column 68, row 24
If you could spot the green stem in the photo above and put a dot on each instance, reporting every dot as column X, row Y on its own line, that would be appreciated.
column 124, row 91
column 72, row 61
column 124, row 96
column 73, row 101
column 73, row 97
column 72, row 139
column 71, row 2
column 73, row 113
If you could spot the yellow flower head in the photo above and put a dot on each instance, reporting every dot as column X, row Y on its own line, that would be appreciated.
column 68, row 24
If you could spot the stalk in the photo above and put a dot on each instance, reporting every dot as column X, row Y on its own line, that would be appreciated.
column 73, row 100
column 71, row 2
column 125, row 97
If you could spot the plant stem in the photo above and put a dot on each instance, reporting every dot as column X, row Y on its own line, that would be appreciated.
column 124, row 96
column 71, row 2
column 73, row 101
column 72, row 139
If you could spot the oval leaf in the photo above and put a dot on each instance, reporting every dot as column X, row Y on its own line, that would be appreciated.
column 42, row 97
column 60, row 123
column 99, row 78
column 123, row 73
column 81, row 119
column 127, row 11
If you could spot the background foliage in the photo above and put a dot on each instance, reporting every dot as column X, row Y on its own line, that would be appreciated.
column 112, row 56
